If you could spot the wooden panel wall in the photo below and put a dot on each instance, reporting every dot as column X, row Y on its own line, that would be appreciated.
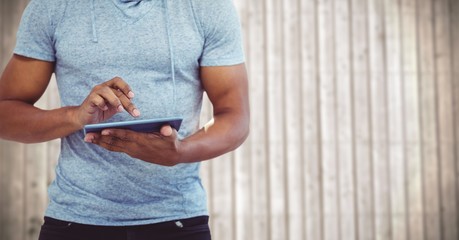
column 354, row 135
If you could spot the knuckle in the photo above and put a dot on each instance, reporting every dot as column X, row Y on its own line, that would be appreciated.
column 117, row 92
column 115, row 101
column 96, row 101
column 101, row 89
column 130, row 106
column 118, row 81
column 97, row 88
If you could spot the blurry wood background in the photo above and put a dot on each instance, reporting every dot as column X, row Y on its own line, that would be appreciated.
column 355, row 127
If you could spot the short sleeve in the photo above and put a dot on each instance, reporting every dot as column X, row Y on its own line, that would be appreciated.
column 35, row 34
column 222, row 34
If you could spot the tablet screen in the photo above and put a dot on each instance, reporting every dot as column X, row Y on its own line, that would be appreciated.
column 146, row 125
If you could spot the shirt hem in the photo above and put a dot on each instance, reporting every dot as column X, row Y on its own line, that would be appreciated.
column 222, row 62
column 35, row 55
column 99, row 222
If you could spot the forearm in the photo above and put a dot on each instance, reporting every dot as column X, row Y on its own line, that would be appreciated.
column 22, row 122
column 223, row 134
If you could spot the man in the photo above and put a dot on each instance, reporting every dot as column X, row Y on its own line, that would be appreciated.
column 115, row 60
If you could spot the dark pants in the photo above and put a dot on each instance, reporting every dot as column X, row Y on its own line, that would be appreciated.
column 186, row 229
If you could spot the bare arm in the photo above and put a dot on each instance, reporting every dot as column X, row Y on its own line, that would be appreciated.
column 24, row 81
column 227, row 89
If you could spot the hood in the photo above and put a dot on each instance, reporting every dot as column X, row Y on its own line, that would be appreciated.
column 134, row 8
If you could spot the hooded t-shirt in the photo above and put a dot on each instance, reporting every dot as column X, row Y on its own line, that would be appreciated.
column 157, row 47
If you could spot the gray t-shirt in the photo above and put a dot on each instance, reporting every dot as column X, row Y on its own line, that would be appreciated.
column 157, row 47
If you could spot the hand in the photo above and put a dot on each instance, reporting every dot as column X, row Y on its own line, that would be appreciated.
column 161, row 148
column 105, row 100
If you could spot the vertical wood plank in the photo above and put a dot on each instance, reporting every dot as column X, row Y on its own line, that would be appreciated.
column 454, row 18
column 258, row 130
column 276, row 121
column 362, row 118
column 222, row 196
column 378, row 84
column 412, row 133
column 328, row 118
column 292, row 95
column 395, row 124
column 3, row 51
column 429, row 125
column 446, row 125
column 344, row 94
column 311, row 121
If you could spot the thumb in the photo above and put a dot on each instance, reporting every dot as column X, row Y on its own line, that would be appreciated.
column 166, row 130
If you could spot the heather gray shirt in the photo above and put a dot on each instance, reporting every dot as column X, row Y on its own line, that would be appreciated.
column 157, row 46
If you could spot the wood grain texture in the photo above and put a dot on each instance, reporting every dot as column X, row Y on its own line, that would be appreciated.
column 293, row 140
column 395, row 120
column 379, row 118
column 312, row 211
column 327, row 85
column 258, row 158
column 429, row 124
column 446, row 124
column 412, row 132
column 454, row 21
column 362, row 116
column 344, row 119
column 275, row 66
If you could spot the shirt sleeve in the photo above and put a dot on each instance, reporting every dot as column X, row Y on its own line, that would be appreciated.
column 35, row 35
column 222, row 34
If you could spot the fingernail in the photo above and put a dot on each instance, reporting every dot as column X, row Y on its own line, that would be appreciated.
column 130, row 94
column 120, row 108
column 105, row 132
column 136, row 112
column 166, row 131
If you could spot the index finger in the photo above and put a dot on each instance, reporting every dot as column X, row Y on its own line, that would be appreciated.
column 120, row 84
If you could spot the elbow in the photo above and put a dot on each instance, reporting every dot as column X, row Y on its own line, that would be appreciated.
column 243, row 133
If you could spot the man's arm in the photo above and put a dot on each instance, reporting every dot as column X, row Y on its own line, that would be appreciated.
column 24, row 81
column 227, row 88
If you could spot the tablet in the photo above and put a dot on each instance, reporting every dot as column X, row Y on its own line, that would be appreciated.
column 147, row 125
